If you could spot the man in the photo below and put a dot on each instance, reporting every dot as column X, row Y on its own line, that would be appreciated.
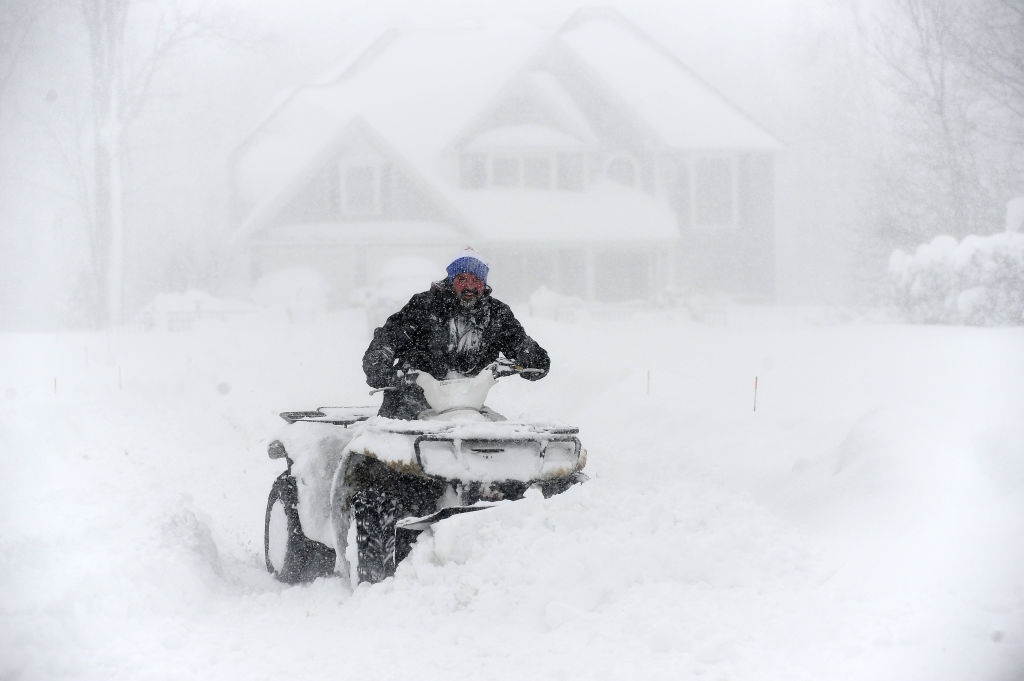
column 455, row 326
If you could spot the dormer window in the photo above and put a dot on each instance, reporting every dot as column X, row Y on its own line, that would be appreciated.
column 529, row 169
column 473, row 171
column 622, row 170
column 364, row 188
column 537, row 172
column 527, row 156
column 505, row 171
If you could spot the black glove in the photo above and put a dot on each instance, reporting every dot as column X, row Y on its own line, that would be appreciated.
column 405, row 376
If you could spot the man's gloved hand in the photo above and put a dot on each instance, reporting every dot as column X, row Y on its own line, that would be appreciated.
column 405, row 376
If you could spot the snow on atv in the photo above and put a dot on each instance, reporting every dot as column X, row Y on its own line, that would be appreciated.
column 359, row 488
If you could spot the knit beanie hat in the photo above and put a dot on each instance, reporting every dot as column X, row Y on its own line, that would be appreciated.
column 470, row 261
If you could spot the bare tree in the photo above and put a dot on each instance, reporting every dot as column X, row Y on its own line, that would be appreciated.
column 16, row 23
column 121, row 83
column 992, row 45
column 956, row 68
column 935, row 165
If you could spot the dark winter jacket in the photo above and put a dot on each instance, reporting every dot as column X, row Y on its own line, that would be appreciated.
column 435, row 333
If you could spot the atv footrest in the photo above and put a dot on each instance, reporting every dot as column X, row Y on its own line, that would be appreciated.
column 426, row 521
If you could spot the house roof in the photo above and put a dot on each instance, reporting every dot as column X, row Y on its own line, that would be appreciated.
column 414, row 89
column 684, row 110
column 414, row 92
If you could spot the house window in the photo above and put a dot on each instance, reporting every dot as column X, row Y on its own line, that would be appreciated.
column 622, row 169
column 473, row 171
column 714, row 192
column 570, row 171
column 704, row 191
column 623, row 275
column 364, row 189
column 505, row 171
column 537, row 172
column 534, row 170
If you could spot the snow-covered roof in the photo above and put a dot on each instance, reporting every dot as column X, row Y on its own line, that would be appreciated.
column 325, row 233
column 682, row 109
column 414, row 89
column 523, row 136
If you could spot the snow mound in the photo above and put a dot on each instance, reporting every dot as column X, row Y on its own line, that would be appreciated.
column 298, row 291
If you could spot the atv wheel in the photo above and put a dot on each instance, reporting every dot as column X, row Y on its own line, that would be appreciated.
column 291, row 556
column 374, row 512
column 550, row 488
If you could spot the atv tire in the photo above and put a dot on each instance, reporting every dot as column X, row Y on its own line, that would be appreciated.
column 291, row 556
column 374, row 512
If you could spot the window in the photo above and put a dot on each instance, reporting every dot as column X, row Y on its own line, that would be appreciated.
column 473, row 171
column 534, row 169
column 714, row 192
column 570, row 171
column 704, row 191
column 364, row 189
column 622, row 169
column 505, row 171
column 625, row 275
column 360, row 190
column 537, row 172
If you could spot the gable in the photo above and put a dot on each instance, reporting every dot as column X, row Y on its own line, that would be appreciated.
column 357, row 177
column 534, row 109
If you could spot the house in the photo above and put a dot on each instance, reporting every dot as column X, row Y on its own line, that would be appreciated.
column 589, row 160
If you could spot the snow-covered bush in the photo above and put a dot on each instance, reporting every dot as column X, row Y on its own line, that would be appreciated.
column 979, row 280
column 182, row 311
column 393, row 284
column 550, row 304
column 300, row 292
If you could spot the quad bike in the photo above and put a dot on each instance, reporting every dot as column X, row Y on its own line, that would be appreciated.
column 359, row 488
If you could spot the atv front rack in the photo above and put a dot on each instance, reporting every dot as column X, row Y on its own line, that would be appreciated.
column 339, row 416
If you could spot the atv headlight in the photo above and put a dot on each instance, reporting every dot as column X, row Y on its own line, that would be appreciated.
column 436, row 457
column 560, row 457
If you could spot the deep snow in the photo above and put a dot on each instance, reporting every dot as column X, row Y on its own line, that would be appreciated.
column 864, row 523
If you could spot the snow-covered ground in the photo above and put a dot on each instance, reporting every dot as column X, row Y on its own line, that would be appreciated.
column 865, row 522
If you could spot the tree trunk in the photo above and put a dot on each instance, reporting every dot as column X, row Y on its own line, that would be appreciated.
column 105, row 23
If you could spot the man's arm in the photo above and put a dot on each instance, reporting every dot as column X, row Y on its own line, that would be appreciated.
column 392, row 341
column 379, row 360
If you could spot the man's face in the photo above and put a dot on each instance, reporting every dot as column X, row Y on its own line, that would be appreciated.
column 468, row 287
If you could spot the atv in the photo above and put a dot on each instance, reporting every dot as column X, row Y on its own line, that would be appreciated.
column 359, row 488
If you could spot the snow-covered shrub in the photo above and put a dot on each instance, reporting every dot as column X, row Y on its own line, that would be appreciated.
column 979, row 280
column 549, row 304
column 300, row 292
column 393, row 284
column 182, row 311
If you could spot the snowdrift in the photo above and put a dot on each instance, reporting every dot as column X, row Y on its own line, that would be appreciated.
column 863, row 523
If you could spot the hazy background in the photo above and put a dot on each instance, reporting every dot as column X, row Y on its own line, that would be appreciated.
column 891, row 136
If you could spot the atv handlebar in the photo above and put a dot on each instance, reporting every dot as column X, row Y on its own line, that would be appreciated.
column 500, row 368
